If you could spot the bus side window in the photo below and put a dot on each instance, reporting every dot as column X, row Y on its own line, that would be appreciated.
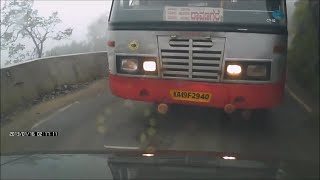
column 137, row 3
column 245, row 5
column 128, row 4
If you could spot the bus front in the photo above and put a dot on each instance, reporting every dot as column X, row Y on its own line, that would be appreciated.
column 217, row 53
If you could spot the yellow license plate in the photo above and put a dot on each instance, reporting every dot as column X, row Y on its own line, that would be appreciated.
column 190, row 96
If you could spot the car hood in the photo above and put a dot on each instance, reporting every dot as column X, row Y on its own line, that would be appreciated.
column 160, row 165
column 55, row 166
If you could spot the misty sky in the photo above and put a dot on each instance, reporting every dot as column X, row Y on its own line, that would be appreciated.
column 78, row 15
column 75, row 14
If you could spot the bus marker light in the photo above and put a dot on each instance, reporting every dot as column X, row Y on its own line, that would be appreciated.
column 234, row 69
column 149, row 65
column 130, row 65
column 111, row 43
column 147, row 155
column 229, row 157
column 257, row 70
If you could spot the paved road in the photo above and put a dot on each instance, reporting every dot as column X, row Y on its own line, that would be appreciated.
column 93, row 119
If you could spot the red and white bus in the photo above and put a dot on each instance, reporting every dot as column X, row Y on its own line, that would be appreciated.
column 222, row 54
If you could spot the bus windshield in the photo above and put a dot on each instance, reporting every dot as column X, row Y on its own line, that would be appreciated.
column 255, row 12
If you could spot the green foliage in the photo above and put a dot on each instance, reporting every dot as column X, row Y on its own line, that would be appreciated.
column 19, row 20
column 303, row 57
column 97, row 33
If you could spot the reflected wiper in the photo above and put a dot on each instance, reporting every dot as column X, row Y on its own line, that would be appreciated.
column 187, row 158
column 189, row 168
column 187, row 161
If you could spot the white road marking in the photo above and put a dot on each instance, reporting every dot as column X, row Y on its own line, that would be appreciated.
column 295, row 97
column 121, row 147
column 42, row 121
column 68, row 106
column 242, row 29
column 48, row 118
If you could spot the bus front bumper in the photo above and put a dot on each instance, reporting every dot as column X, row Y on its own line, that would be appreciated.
column 241, row 96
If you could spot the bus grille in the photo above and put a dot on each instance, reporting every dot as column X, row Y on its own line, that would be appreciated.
column 191, row 59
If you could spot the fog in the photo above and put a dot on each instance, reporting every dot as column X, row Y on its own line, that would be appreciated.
column 79, row 14
column 75, row 14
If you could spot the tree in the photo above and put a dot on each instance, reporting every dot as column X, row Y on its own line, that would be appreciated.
column 19, row 20
column 72, row 48
column 303, row 56
column 96, row 40
column 97, row 33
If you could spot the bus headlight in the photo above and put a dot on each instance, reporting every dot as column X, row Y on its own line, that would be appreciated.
column 149, row 66
column 129, row 65
column 256, row 70
column 234, row 70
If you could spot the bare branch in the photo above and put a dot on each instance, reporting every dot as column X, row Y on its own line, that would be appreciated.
column 5, row 31
column 33, row 39
column 20, row 20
